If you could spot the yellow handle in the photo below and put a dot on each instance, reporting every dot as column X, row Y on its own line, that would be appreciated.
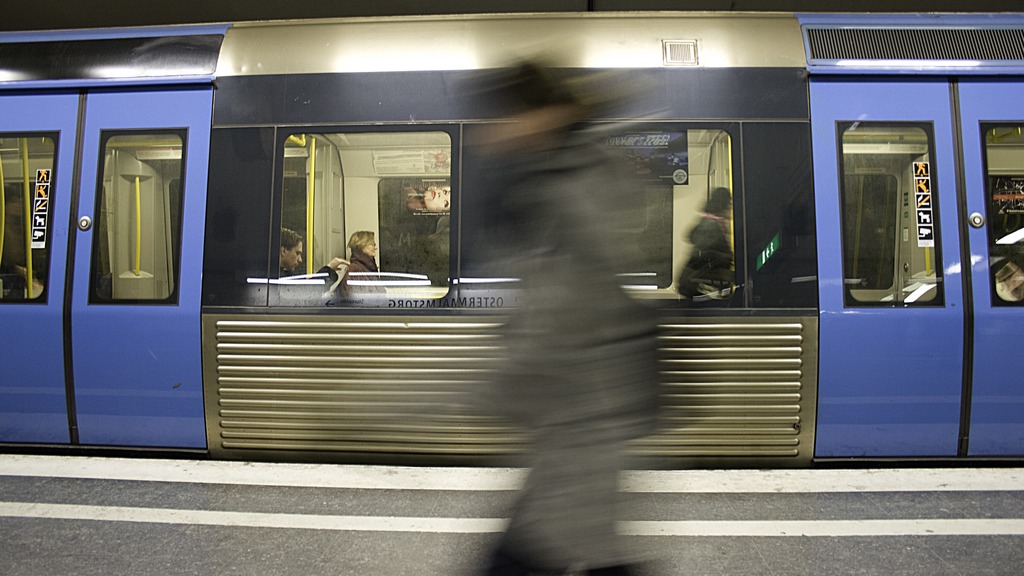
column 28, row 219
column 310, row 190
column 138, row 228
column 3, row 210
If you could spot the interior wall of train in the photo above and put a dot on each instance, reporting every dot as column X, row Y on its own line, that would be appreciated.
column 181, row 284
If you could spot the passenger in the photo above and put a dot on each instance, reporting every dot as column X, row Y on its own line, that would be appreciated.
column 362, row 247
column 709, row 269
column 363, row 250
column 580, row 366
column 290, row 260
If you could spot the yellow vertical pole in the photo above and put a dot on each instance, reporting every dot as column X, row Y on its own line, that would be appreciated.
column 28, row 219
column 310, row 195
column 3, row 210
column 138, row 228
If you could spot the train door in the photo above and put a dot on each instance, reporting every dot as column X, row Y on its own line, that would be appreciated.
column 890, row 290
column 137, row 266
column 100, row 272
column 37, row 143
column 992, row 122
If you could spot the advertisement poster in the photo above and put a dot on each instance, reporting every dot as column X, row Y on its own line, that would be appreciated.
column 428, row 197
column 413, row 162
column 1008, row 194
column 658, row 156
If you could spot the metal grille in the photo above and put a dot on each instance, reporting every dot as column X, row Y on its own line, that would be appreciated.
column 740, row 390
column 680, row 52
column 987, row 45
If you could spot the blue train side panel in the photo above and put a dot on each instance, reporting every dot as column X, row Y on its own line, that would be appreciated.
column 890, row 378
column 137, row 366
column 33, row 403
column 997, row 389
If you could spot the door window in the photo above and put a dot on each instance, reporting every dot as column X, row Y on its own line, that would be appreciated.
column 136, row 242
column 889, row 215
column 26, row 182
column 1004, row 180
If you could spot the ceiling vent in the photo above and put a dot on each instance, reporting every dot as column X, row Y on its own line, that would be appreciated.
column 974, row 46
column 680, row 52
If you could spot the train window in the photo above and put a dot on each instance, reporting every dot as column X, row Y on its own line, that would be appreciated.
column 683, row 225
column 365, row 218
column 680, row 237
column 703, row 210
column 26, row 175
column 889, row 215
column 136, row 241
column 1004, row 169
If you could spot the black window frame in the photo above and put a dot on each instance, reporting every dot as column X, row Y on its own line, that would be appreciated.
column 54, row 135
column 94, row 252
column 928, row 128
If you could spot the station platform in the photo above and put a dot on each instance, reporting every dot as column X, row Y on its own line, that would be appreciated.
column 85, row 515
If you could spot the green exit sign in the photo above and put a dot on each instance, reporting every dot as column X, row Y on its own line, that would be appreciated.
column 769, row 250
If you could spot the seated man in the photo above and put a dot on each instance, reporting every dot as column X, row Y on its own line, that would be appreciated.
column 290, row 260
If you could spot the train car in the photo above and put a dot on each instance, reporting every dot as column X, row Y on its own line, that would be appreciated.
column 155, row 180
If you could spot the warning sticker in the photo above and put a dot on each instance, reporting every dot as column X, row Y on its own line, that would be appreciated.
column 923, row 205
column 40, row 208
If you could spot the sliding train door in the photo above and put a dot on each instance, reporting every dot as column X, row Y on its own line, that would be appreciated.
column 100, row 271
column 890, row 291
column 992, row 121
column 137, row 268
column 37, row 144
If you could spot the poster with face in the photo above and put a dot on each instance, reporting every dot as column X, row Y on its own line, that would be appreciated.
column 428, row 196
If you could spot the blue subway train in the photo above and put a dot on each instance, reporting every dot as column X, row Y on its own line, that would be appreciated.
column 154, row 297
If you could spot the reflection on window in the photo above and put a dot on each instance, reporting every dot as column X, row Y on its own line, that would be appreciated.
column 1004, row 168
column 889, row 216
column 136, row 240
column 681, row 224
column 26, row 176
column 365, row 217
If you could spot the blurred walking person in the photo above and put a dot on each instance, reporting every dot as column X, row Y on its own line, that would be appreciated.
column 580, row 367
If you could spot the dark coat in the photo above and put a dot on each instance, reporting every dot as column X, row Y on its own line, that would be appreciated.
column 360, row 262
column 710, row 262
column 580, row 370
column 580, row 350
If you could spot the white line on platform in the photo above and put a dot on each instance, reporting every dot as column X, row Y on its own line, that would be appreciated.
column 772, row 528
column 484, row 479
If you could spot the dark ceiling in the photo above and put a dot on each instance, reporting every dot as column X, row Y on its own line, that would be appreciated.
column 59, row 14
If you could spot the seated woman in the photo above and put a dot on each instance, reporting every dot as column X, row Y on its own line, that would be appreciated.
column 361, row 275
column 363, row 247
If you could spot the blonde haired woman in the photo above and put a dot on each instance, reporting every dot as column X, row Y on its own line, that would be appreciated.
column 363, row 246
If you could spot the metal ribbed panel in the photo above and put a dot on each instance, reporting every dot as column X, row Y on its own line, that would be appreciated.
column 326, row 384
column 986, row 45
column 738, row 389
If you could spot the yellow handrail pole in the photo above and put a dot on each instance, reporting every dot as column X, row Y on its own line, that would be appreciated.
column 310, row 189
column 3, row 209
column 28, row 218
column 138, row 228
